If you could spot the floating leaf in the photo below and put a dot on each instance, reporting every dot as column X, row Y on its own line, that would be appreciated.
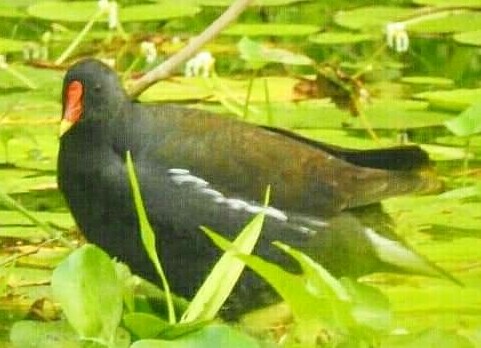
column 469, row 38
column 9, row 45
column 449, row 3
column 454, row 100
column 337, row 38
column 452, row 23
column 428, row 338
column 254, row 3
column 82, row 11
column 271, row 29
column 258, row 55
column 427, row 80
column 9, row 12
column 156, row 12
column 467, row 123
column 371, row 18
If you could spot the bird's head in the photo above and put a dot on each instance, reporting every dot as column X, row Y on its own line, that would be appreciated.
column 91, row 90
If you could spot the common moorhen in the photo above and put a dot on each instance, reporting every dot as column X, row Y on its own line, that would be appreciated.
column 198, row 168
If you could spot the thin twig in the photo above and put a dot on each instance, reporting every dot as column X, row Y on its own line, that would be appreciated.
column 165, row 69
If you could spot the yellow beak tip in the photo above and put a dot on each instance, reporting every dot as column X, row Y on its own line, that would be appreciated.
column 65, row 125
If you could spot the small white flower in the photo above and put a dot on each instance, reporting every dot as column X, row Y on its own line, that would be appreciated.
column 3, row 62
column 113, row 15
column 201, row 65
column 112, row 9
column 149, row 51
column 104, row 5
column 397, row 36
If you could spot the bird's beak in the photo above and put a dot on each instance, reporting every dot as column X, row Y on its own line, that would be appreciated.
column 73, row 107
column 65, row 125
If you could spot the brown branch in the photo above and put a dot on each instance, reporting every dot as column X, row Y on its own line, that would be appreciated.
column 165, row 69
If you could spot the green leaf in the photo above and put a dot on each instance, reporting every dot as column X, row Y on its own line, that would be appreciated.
column 371, row 18
column 258, row 55
column 454, row 100
column 148, row 235
column 144, row 325
column 208, row 337
column 467, row 123
column 428, row 338
column 427, row 80
column 218, row 285
column 270, row 29
column 338, row 38
column 447, row 23
column 449, row 3
column 469, row 38
column 254, row 3
column 37, row 334
column 9, row 45
column 82, row 11
column 89, row 292
column 162, row 10
column 371, row 307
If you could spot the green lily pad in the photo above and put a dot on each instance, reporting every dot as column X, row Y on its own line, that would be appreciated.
column 197, row 88
column 9, row 45
column 371, row 18
column 469, row 38
column 454, row 100
column 82, row 11
column 340, row 38
column 271, row 29
column 10, row 12
column 427, row 80
column 455, row 22
column 224, row 3
column 155, row 12
column 449, row 3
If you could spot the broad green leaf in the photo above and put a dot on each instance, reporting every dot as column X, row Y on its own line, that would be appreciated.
column 10, row 12
column 254, row 3
column 467, row 123
column 144, row 325
column 371, row 307
column 371, row 18
column 55, row 334
column 88, row 289
column 258, row 55
column 270, row 29
column 162, row 10
column 197, row 88
column 469, row 38
column 219, row 283
column 340, row 38
column 83, row 11
column 455, row 22
column 209, row 337
column 427, row 80
column 148, row 235
column 35, row 334
column 449, row 3
column 454, row 100
column 9, row 45
column 428, row 338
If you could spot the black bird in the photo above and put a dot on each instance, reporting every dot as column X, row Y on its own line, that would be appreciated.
column 197, row 168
